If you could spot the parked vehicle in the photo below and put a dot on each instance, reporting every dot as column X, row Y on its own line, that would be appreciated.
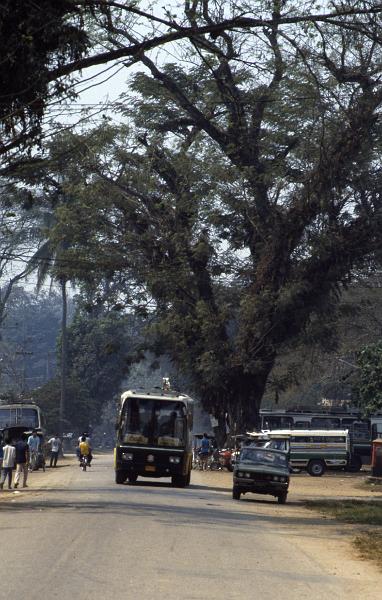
column 362, row 431
column 26, row 415
column 225, row 458
column 314, row 451
column 261, row 471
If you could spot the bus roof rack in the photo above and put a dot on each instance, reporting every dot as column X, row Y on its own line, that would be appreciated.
column 157, row 391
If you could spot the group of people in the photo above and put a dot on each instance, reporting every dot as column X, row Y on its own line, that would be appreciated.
column 21, row 455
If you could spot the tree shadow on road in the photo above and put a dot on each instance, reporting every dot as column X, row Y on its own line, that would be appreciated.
column 207, row 512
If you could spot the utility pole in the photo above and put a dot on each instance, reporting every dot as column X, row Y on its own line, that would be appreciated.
column 23, row 353
column 64, row 346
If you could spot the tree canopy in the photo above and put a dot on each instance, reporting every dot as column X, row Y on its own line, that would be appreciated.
column 243, row 190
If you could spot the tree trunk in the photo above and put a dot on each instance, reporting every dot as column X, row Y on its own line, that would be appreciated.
column 248, row 391
column 61, row 418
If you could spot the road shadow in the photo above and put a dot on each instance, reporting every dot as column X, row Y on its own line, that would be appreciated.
column 196, row 486
column 207, row 512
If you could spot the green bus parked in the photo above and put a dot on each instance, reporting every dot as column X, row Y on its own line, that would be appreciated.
column 313, row 450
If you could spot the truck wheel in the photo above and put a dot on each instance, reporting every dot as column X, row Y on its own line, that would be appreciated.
column 120, row 477
column 236, row 493
column 282, row 498
column 179, row 481
column 132, row 478
column 316, row 468
column 354, row 465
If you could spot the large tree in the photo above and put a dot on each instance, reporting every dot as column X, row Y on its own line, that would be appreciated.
column 252, row 191
column 44, row 44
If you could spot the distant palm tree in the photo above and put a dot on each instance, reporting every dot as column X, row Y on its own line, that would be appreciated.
column 46, row 261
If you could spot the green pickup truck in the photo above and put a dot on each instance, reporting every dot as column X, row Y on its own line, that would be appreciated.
column 261, row 471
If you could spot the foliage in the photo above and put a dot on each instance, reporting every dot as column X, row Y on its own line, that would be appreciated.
column 243, row 194
column 100, row 349
column 78, row 408
column 20, row 225
column 369, row 380
column 29, row 336
column 35, row 37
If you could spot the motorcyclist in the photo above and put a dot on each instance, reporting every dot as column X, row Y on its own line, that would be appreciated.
column 84, row 449
column 88, row 440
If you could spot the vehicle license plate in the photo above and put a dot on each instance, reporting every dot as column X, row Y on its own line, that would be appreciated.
column 149, row 468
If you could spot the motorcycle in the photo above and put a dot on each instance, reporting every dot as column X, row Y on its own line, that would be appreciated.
column 214, row 462
column 225, row 459
column 84, row 461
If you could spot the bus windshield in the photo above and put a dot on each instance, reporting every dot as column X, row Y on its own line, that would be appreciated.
column 153, row 422
column 13, row 416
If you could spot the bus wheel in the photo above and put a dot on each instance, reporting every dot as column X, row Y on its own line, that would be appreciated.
column 120, row 477
column 179, row 481
column 354, row 465
column 316, row 468
column 132, row 478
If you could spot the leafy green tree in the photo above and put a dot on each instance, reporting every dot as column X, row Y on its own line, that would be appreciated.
column 35, row 38
column 100, row 348
column 243, row 194
column 44, row 44
column 369, row 381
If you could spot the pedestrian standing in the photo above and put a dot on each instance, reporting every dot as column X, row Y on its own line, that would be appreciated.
column 204, row 451
column 34, row 445
column 22, row 460
column 55, row 444
column 9, row 456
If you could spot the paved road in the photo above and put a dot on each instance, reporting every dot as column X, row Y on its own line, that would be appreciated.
column 88, row 538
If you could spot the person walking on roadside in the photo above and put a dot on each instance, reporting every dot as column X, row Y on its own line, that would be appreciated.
column 9, row 456
column 34, row 445
column 55, row 444
column 22, row 460
column 204, row 452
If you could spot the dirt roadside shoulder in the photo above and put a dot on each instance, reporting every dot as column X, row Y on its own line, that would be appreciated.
column 52, row 478
column 329, row 541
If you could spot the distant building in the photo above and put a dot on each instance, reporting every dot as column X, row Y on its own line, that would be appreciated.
column 334, row 402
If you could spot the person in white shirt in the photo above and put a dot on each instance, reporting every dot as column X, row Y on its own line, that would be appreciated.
column 9, row 457
column 55, row 444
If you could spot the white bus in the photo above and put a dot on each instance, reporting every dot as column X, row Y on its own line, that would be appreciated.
column 25, row 415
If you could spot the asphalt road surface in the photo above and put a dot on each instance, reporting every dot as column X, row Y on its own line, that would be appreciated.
column 84, row 537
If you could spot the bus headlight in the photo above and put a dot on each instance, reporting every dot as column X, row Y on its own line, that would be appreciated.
column 127, row 456
column 175, row 460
